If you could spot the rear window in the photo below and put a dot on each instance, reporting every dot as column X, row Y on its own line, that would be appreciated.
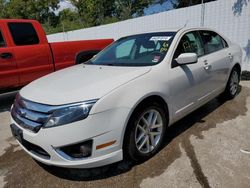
column 23, row 34
column 2, row 41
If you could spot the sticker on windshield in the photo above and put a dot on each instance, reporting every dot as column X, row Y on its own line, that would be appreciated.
column 156, row 59
column 164, row 47
column 160, row 38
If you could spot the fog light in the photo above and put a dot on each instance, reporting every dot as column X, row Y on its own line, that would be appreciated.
column 77, row 151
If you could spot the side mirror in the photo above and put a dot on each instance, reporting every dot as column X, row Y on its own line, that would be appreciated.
column 187, row 58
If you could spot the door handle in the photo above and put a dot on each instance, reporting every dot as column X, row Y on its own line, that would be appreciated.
column 230, row 56
column 207, row 67
column 6, row 55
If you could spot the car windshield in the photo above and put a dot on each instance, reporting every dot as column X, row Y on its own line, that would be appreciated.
column 137, row 50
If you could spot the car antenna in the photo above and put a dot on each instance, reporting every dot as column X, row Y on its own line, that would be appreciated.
column 186, row 23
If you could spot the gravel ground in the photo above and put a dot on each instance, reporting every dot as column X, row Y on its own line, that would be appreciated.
column 208, row 148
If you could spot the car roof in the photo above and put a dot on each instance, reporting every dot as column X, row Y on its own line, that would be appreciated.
column 177, row 29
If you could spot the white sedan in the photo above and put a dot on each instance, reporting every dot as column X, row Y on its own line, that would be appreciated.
column 120, row 103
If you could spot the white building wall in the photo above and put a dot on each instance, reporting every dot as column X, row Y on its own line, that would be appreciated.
column 230, row 17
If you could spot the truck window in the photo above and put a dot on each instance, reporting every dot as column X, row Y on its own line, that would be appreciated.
column 23, row 34
column 2, row 41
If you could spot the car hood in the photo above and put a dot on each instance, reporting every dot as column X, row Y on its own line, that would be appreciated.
column 79, row 83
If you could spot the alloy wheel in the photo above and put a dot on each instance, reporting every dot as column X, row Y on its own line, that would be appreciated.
column 148, row 131
column 234, row 82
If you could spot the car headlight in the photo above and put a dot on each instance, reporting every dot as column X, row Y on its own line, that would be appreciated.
column 69, row 114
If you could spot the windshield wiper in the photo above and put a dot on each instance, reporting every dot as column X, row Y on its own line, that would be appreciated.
column 89, row 62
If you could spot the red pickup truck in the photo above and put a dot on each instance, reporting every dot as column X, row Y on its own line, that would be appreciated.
column 26, row 55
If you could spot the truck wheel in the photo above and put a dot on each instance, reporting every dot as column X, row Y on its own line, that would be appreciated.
column 232, row 84
column 145, row 132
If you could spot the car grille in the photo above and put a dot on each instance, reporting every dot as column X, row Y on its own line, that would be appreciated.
column 30, row 115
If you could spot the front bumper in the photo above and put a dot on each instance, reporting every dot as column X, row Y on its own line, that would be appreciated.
column 101, row 128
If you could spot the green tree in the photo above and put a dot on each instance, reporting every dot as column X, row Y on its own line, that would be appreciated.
column 43, row 11
column 29, row 9
column 88, row 12
column 2, row 8
column 126, row 9
column 69, row 20
column 94, row 12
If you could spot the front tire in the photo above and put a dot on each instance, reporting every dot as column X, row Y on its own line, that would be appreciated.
column 232, row 87
column 145, row 132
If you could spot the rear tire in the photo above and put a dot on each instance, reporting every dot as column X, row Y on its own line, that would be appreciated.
column 145, row 132
column 232, row 87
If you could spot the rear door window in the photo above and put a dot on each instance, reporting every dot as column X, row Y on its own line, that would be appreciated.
column 23, row 34
column 2, row 41
column 212, row 41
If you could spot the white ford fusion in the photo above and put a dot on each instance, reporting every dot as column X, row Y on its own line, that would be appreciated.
column 121, row 102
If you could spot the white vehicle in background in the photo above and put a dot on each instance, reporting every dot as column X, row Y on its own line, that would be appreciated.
column 121, row 102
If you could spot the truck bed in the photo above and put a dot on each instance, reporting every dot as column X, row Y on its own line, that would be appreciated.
column 64, row 53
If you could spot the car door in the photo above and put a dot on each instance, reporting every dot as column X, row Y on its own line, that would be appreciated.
column 191, row 81
column 217, row 59
column 8, row 69
column 32, row 54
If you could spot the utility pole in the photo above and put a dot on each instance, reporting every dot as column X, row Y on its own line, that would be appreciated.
column 63, row 28
column 202, row 13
